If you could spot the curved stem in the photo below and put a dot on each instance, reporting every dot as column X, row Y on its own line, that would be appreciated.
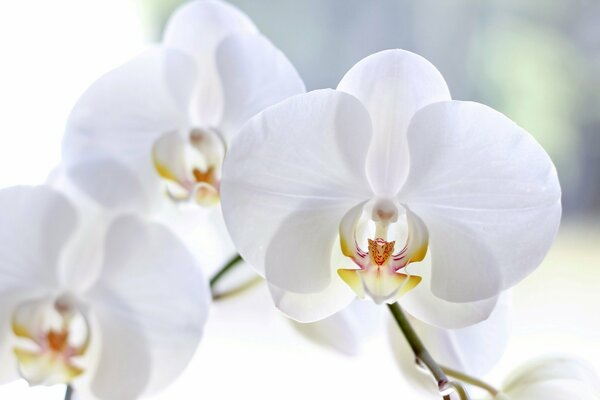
column 421, row 353
column 225, row 269
column 69, row 392
column 249, row 284
column 461, row 376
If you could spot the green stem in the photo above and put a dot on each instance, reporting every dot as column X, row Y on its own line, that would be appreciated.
column 69, row 392
column 471, row 380
column 225, row 269
column 421, row 353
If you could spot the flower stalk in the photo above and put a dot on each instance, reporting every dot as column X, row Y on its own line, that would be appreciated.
column 461, row 376
column 423, row 357
column 69, row 392
column 225, row 269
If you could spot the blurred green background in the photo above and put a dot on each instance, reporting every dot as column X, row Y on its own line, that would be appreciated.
column 537, row 61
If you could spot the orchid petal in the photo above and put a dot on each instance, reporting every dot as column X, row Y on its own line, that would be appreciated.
column 345, row 330
column 421, row 303
column 125, row 111
column 303, row 157
column 197, row 28
column 152, row 303
column 488, row 194
column 35, row 225
column 255, row 74
column 393, row 85
column 311, row 307
column 474, row 349
column 555, row 378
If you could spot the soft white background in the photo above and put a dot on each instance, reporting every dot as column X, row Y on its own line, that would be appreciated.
column 52, row 50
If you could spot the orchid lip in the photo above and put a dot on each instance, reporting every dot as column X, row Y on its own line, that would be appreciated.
column 52, row 337
column 378, row 273
column 190, row 165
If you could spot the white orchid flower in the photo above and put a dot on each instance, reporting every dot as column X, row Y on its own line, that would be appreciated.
column 168, row 114
column 115, row 308
column 350, row 188
column 552, row 378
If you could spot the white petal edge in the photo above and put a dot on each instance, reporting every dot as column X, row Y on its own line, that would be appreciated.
column 488, row 193
column 345, row 330
column 254, row 74
column 197, row 28
column 424, row 305
column 393, row 85
column 303, row 155
column 152, row 289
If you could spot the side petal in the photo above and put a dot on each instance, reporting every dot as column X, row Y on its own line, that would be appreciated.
column 152, row 290
column 197, row 28
column 304, row 156
column 254, row 74
column 424, row 305
column 488, row 194
column 393, row 85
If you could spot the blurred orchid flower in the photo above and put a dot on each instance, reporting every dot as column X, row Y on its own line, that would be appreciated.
column 169, row 113
column 114, row 307
column 340, row 193
column 552, row 378
column 163, row 120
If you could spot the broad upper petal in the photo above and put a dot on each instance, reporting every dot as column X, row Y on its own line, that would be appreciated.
column 254, row 74
column 302, row 157
column 393, row 85
column 153, row 301
column 489, row 196
column 197, row 28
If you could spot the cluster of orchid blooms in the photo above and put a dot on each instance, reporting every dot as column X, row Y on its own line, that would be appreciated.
column 384, row 189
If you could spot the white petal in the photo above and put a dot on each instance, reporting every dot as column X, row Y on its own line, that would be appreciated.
column 152, row 291
column 311, row 307
column 112, row 184
column 345, row 330
column 488, row 194
column 198, row 28
column 35, row 225
column 556, row 390
column 474, row 349
column 255, row 74
column 125, row 111
column 563, row 373
column 424, row 305
column 304, row 156
column 393, row 85
column 9, row 369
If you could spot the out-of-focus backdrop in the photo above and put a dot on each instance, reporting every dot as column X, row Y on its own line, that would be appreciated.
column 537, row 61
